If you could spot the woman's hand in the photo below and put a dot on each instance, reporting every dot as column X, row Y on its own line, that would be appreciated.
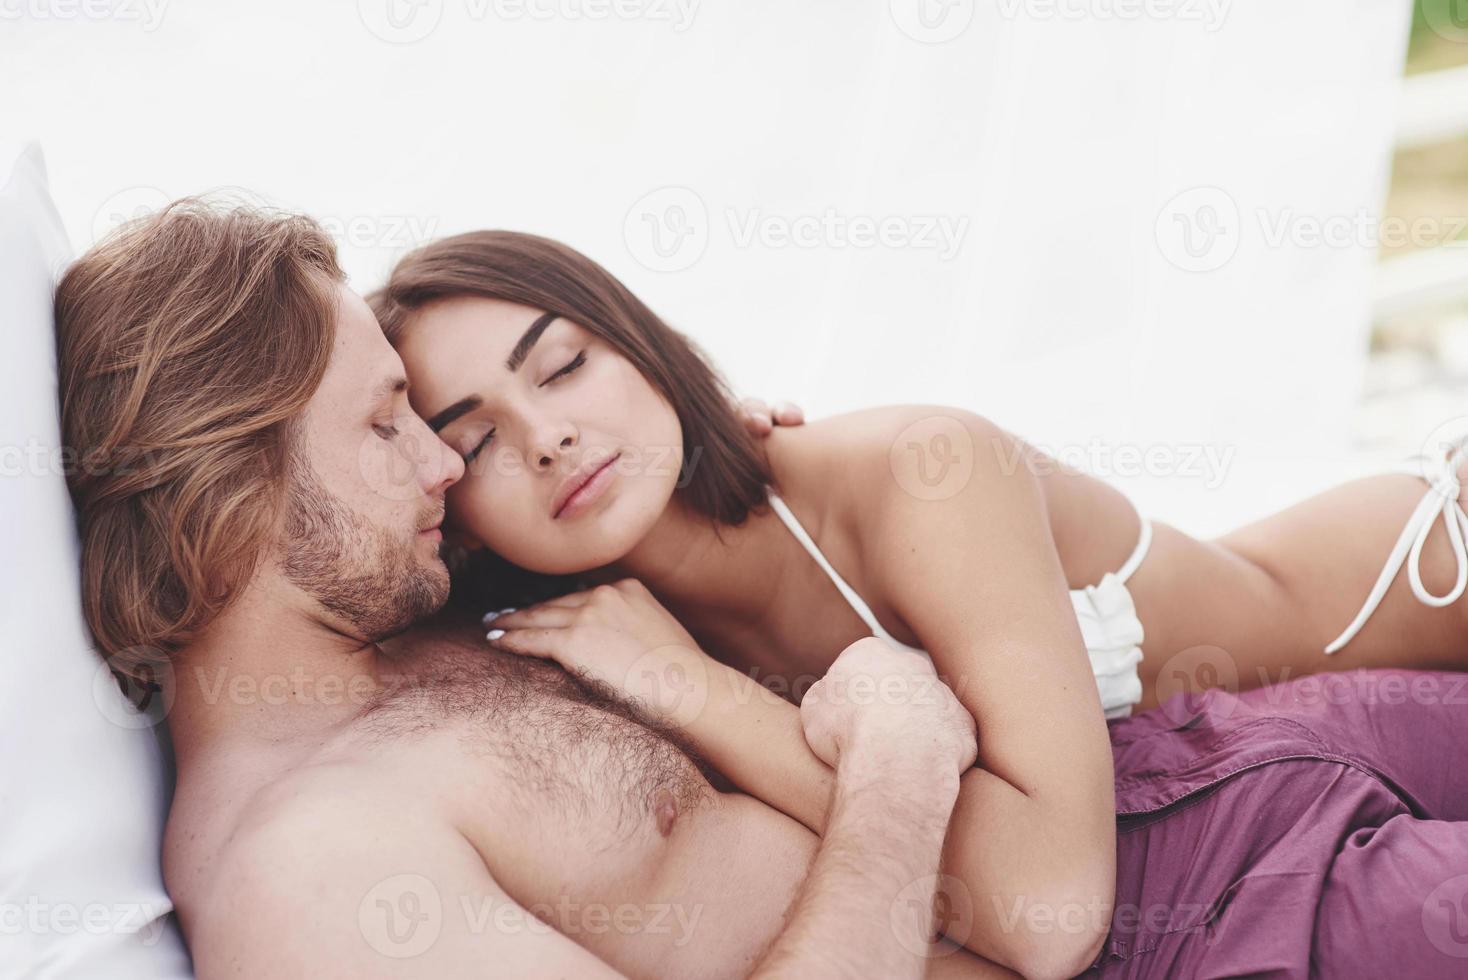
column 617, row 635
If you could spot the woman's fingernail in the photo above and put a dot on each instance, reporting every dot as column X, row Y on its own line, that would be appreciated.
column 509, row 610
column 494, row 634
column 489, row 617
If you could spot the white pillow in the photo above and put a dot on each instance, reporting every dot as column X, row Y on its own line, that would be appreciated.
column 82, row 776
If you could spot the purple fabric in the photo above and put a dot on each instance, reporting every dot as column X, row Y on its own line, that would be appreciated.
column 1313, row 828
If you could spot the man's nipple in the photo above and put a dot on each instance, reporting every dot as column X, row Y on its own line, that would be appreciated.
column 665, row 808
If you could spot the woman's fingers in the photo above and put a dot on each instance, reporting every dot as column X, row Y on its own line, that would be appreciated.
column 543, row 643
column 536, row 617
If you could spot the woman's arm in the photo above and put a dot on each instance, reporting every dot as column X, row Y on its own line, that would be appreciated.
column 1031, row 851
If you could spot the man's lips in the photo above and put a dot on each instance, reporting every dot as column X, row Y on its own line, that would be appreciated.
column 569, row 492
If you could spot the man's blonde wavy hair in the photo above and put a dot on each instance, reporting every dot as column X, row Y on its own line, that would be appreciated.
column 188, row 345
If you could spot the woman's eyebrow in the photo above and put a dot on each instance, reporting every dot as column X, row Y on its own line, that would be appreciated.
column 527, row 341
column 517, row 357
column 455, row 410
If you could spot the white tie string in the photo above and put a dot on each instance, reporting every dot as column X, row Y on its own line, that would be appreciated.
column 1441, row 498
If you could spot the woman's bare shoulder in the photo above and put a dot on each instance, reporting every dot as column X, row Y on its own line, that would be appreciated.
column 853, row 467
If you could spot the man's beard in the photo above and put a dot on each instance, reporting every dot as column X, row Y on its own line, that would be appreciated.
column 365, row 575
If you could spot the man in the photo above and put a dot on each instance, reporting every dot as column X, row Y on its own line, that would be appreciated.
column 346, row 809
column 427, row 807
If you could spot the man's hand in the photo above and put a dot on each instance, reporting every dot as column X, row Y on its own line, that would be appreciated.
column 881, row 699
column 899, row 740
column 760, row 419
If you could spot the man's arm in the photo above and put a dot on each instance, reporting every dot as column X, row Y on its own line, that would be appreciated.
column 898, row 739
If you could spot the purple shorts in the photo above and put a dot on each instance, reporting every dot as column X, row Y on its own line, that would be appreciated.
column 1313, row 828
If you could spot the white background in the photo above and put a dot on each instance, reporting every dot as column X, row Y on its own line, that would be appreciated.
column 1077, row 143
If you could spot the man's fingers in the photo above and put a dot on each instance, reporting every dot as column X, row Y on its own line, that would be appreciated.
column 787, row 413
column 757, row 416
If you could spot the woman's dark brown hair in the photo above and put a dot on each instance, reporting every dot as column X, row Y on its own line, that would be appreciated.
column 723, row 476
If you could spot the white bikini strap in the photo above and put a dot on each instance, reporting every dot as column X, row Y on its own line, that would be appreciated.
column 854, row 600
column 1441, row 499
column 1144, row 541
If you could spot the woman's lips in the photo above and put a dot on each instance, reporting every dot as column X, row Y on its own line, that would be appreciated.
column 590, row 491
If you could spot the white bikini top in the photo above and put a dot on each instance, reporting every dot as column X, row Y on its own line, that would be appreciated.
column 1441, row 474
column 1144, row 541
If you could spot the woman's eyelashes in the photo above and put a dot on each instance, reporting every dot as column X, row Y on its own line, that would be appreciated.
column 568, row 368
column 385, row 430
column 574, row 363
column 478, row 446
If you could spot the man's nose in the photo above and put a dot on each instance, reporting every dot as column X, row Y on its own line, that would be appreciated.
column 438, row 466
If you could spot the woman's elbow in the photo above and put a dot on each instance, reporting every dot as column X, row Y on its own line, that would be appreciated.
column 1059, row 935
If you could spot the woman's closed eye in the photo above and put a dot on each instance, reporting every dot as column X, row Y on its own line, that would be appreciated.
column 568, row 368
column 572, row 365
column 478, row 446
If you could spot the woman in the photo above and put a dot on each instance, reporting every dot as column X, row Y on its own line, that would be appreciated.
column 599, row 444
